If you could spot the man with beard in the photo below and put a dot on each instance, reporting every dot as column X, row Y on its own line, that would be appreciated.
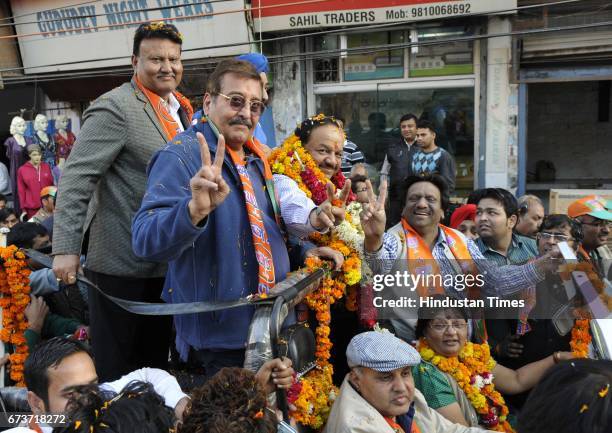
column 216, row 223
column 419, row 244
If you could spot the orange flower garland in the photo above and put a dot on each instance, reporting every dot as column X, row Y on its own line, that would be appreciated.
column 581, row 334
column 316, row 392
column 472, row 371
column 581, row 338
column 15, row 297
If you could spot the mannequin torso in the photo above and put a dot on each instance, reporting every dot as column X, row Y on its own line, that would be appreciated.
column 64, row 140
column 16, row 154
column 43, row 140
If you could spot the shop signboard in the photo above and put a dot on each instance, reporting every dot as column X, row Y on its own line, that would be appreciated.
column 279, row 15
column 63, row 35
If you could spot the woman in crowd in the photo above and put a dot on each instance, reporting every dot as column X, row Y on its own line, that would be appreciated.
column 573, row 397
column 460, row 379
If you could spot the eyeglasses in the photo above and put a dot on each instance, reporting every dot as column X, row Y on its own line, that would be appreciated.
column 555, row 236
column 598, row 223
column 237, row 102
column 441, row 327
column 361, row 190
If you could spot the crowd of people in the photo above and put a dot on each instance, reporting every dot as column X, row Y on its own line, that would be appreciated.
column 156, row 202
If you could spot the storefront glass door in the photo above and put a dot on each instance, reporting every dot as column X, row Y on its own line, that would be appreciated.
column 372, row 121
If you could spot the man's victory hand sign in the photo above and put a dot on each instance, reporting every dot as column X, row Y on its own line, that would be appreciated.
column 331, row 212
column 208, row 189
column 373, row 216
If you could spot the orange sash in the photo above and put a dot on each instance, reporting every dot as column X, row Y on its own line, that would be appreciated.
column 33, row 425
column 421, row 260
column 263, row 250
column 414, row 428
column 169, row 125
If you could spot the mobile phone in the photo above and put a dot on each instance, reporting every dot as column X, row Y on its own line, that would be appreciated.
column 283, row 427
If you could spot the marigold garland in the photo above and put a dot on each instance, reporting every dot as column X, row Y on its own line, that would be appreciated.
column 15, row 297
column 472, row 370
column 581, row 332
column 314, row 393
column 581, row 338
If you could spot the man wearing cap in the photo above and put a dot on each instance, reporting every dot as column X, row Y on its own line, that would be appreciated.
column 378, row 395
column 47, row 199
column 591, row 212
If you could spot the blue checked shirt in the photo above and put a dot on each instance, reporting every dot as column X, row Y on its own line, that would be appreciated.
column 498, row 281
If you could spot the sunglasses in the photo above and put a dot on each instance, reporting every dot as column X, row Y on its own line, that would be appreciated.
column 237, row 102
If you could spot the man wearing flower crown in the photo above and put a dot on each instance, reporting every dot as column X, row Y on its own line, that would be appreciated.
column 217, row 222
column 420, row 245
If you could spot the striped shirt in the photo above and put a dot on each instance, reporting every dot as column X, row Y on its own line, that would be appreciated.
column 498, row 281
column 521, row 250
column 351, row 155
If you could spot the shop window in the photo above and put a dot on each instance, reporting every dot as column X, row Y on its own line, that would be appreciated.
column 326, row 68
column 452, row 58
column 372, row 122
column 377, row 64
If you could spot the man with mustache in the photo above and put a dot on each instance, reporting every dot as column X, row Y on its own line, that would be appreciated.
column 419, row 244
column 596, row 222
column 378, row 395
column 121, row 131
column 211, row 211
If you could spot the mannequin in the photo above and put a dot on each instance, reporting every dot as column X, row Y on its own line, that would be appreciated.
column 16, row 153
column 45, row 142
column 64, row 140
column 32, row 177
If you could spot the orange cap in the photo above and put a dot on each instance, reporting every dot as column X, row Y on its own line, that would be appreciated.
column 49, row 190
column 593, row 205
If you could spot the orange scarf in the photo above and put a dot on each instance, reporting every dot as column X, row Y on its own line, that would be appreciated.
column 414, row 428
column 421, row 260
column 33, row 425
column 170, row 126
column 263, row 250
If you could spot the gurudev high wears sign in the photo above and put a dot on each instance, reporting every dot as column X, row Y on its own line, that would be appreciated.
column 73, row 34
column 271, row 15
